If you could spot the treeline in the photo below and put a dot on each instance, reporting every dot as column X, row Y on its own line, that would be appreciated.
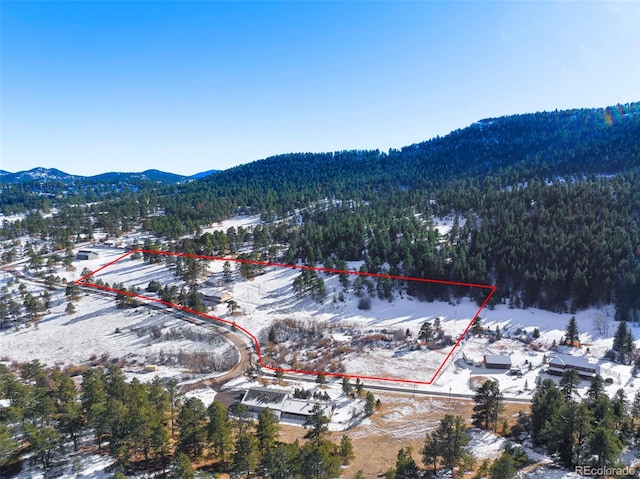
column 151, row 427
column 513, row 149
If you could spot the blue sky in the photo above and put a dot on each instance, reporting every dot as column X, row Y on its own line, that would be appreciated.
column 90, row 87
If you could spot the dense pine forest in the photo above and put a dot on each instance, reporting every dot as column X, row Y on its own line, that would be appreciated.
column 545, row 206
column 156, row 427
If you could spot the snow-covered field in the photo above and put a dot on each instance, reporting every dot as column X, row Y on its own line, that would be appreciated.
column 99, row 331
column 60, row 338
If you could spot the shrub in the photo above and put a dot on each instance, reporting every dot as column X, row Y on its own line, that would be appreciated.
column 364, row 303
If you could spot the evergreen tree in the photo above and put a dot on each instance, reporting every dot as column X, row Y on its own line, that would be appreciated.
column 619, row 407
column 346, row 385
column 406, row 467
column 346, row 450
column 181, row 467
column 8, row 446
column 477, row 326
column 606, row 445
column 547, row 403
column 192, row 427
column 370, row 404
column 635, row 407
column 226, row 271
column 359, row 387
column 488, row 405
column 174, row 392
column 45, row 442
column 596, row 390
column 241, row 417
column 431, row 451
column 577, row 430
column 504, row 467
column 452, row 439
column 569, row 383
column 572, row 336
column 318, row 460
column 620, row 337
column 281, row 462
column 94, row 402
column 426, row 332
column 623, row 342
column 318, row 424
column 219, row 430
column 267, row 430
column 245, row 456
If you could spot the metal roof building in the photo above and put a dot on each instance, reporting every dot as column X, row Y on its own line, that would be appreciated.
column 497, row 361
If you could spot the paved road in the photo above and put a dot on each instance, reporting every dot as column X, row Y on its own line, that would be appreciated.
column 379, row 386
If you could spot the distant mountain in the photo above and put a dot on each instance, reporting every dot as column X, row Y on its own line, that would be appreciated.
column 149, row 175
column 204, row 174
column 36, row 174
column 54, row 175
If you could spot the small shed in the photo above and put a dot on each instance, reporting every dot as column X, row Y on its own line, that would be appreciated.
column 497, row 361
column 85, row 254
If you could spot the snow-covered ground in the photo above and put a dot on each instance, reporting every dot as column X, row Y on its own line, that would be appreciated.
column 98, row 331
column 235, row 222
column 61, row 338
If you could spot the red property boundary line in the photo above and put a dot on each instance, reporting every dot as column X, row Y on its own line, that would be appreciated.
column 492, row 289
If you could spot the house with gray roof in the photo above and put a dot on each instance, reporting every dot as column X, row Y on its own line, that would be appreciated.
column 497, row 361
column 557, row 365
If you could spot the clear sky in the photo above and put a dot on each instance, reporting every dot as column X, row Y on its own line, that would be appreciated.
column 89, row 87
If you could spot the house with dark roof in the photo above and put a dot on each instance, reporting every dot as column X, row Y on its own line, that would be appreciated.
column 259, row 399
column 497, row 361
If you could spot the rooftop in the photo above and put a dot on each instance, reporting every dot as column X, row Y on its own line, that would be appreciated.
column 564, row 360
column 265, row 397
column 497, row 359
column 304, row 407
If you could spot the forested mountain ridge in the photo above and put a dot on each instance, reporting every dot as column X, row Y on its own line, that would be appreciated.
column 545, row 206
column 512, row 149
